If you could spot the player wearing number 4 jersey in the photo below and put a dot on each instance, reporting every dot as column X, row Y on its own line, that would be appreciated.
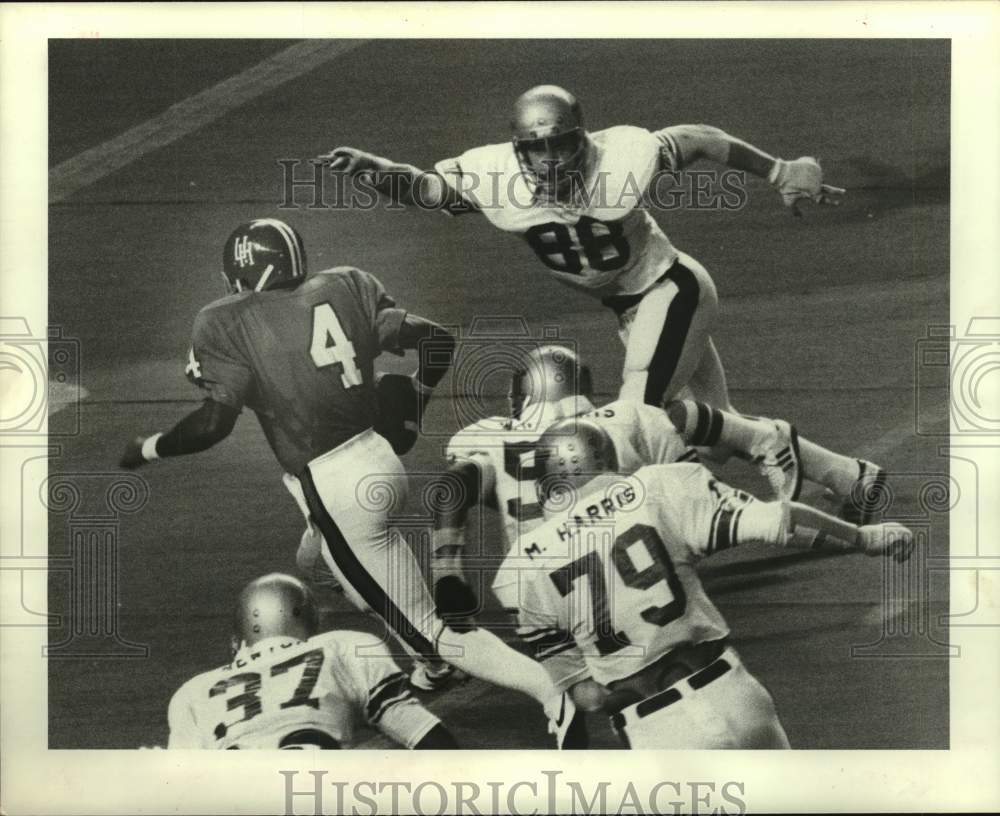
column 299, row 351
column 609, row 582
column 290, row 688
column 578, row 199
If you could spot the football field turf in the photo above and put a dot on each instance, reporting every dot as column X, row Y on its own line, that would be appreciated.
column 820, row 323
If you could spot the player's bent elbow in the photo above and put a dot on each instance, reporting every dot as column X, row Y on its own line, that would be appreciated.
column 438, row 738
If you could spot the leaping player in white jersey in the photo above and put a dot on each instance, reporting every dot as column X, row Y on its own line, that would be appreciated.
column 577, row 198
column 609, row 578
column 289, row 688
column 493, row 461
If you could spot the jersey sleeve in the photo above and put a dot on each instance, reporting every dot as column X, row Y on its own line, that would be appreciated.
column 462, row 183
column 697, row 508
column 384, row 693
column 670, row 154
column 215, row 364
column 180, row 719
column 656, row 438
column 386, row 318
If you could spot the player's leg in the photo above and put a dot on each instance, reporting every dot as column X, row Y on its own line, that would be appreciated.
column 708, row 383
column 785, row 457
column 746, row 707
column 380, row 567
column 668, row 336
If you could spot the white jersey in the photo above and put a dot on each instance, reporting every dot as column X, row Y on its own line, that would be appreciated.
column 504, row 451
column 613, row 578
column 604, row 243
column 292, row 694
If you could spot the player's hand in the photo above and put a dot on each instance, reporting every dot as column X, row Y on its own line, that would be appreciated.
column 803, row 178
column 889, row 539
column 350, row 160
column 399, row 406
column 455, row 601
column 132, row 457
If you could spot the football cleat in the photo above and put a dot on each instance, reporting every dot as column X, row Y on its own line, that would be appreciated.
column 868, row 497
column 263, row 254
column 426, row 677
column 567, row 723
column 890, row 539
column 550, row 374
column 777, row 457
column 549, row 138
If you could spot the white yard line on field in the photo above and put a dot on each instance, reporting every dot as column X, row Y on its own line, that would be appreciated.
column 191, row 114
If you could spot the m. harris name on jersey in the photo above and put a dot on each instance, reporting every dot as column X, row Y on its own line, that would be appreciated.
column 619, row 497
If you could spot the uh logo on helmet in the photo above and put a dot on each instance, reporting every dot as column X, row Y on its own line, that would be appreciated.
column 549, row 138
column 263, row 254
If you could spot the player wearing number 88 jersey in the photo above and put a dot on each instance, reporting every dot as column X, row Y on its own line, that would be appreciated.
column 580, row 200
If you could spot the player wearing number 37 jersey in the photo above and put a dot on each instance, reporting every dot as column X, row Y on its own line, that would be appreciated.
column 289, row 687
column 610, row 580
column 580, row 199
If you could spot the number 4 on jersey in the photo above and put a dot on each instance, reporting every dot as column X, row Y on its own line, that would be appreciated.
column 330, row 345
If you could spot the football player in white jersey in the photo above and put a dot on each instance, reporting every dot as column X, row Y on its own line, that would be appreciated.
column 609, row 580
column 579, row 200
column 288, row 687
column 493, row 461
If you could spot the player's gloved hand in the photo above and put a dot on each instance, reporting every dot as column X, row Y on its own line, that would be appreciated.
column 889, row 539
column 456, row 602
column 401, row 401
column 802, row 178
column 132, row 457
column 350, row 160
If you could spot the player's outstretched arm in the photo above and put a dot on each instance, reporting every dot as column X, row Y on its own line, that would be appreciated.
column 198, row 431
column 792, row 524
column 794, row 179
column 401, row 183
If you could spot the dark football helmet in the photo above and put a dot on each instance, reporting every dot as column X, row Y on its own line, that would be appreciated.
column 549, row 138
column 263, row 254
column 550, row 373
column 275, row 605
column 569, row 454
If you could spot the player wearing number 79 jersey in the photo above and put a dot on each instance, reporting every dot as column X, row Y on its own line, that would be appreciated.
column 610, row 580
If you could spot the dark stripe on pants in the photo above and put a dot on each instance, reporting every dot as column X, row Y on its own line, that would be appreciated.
column 355, row 572
column 675, row 328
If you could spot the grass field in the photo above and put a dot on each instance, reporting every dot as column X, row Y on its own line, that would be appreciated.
column 820, row 317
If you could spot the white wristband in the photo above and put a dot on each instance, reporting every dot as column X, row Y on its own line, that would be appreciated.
column 149, row 447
